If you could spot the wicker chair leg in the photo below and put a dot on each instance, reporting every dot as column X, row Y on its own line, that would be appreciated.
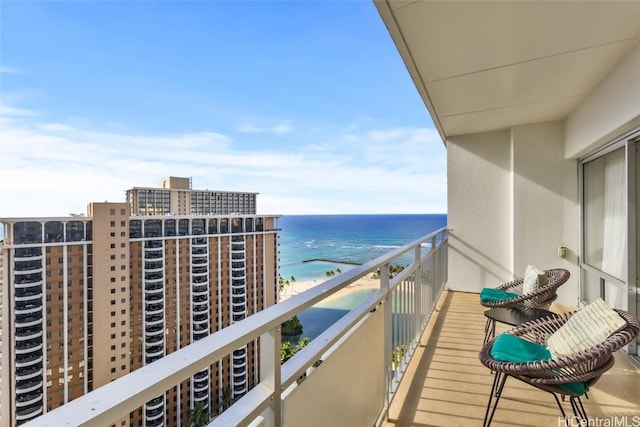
column 578, row 408
column 496, row 390
column 555, row 396
column 489, row 330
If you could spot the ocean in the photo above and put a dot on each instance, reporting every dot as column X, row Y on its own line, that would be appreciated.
column 311, row 245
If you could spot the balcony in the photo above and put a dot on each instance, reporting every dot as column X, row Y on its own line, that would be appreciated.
column 395, row 314
column 437, row 381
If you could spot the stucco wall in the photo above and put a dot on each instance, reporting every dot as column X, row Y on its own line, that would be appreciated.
column 545, row 203
column 512, row 202
column 478, row 169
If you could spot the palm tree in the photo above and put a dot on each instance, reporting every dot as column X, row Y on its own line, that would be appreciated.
column 198, row 417
column 226, row 399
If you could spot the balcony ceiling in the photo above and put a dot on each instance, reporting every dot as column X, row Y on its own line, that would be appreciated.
column 482, row 66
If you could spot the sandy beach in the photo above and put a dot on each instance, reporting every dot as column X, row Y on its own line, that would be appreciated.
column 301, row 286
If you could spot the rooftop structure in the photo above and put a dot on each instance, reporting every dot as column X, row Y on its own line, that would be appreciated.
column 176, row 197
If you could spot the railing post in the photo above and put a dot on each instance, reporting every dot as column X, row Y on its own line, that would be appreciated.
column 417, row 294
column 271, row 375
column 388, row 345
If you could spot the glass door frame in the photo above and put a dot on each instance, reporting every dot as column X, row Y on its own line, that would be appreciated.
column 631, row 285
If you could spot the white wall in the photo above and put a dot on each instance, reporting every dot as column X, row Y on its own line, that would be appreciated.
column 612, row 109
column 545, row 203
column 512, row 202
column 347, row 389
column 478, row 169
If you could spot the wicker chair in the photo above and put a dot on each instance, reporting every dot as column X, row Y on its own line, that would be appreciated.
column 586, row 366
column 541, row 297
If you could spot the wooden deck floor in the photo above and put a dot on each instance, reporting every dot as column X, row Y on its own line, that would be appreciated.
column 446, row 385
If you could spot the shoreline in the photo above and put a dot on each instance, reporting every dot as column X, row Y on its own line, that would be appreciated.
column 304, row 285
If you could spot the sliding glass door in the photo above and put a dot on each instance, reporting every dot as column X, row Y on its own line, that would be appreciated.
column 609, row 195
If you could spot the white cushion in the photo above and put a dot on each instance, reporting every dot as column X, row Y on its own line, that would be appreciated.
column 585, row 329
column 533, row 279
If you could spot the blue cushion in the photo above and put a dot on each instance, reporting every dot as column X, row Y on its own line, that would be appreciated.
column 492, row 294
column 509, row 348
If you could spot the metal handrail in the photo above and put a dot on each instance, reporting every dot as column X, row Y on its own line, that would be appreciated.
column 118, row 398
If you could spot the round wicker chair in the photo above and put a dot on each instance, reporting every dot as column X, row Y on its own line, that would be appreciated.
column 585, row 366
column 538, row 298
column 541, row 297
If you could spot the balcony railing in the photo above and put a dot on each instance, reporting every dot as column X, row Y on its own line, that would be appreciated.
column 360, row 359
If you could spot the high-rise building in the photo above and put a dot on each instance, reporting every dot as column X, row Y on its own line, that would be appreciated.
column 175, row 196
column 87, row 299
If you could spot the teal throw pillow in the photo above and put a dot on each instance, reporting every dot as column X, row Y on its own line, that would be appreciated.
column 492, row 294
column 509, row 348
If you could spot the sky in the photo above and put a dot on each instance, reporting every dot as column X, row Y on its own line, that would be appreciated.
column 306, row 103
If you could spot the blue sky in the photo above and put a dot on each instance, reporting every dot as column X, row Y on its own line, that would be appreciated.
column 307, row 103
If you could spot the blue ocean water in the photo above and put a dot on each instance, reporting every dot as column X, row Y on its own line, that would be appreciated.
column 346, row 240
column 311, row 245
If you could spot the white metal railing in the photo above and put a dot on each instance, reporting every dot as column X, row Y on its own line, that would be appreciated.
column 401, row 307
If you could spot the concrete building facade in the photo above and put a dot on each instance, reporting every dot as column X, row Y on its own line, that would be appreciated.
column 86, row 300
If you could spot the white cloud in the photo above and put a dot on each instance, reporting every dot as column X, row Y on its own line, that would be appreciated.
column 52, row 169
column 280, row 128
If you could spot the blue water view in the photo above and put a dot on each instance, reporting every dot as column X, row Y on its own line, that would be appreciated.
column 311, row 245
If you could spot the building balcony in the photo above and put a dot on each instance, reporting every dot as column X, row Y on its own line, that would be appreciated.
column 154, row 329
column 30, row 400
column 154, row 350
column 33, row 256
column 27, row 413
column 199, row 242
column 154, row 267
column 29, row 359
column 25, row 373
column 24, row 284
column 27, row 294
column 153, row 320
column 29, row 320
column 28, row 346
column 200, row 291
column 154, row 415
column 153, row 296
column 28, row 307
column 154, row 308
column 154, row 339
column 409, row 351
column 199, row 272
column 199, row 386
column 202, row 375
column 27, row 386
column 155, row 286
column 155, row 403
column 28, row 333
